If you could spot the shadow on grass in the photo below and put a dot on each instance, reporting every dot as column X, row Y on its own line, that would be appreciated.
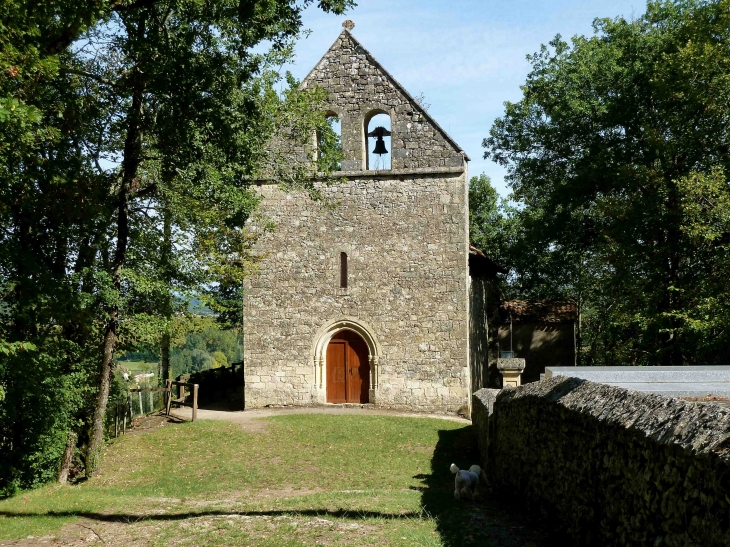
column 488, row 522
column 127, row 518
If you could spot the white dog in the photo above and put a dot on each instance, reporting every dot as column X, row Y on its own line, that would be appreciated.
column 466, row 482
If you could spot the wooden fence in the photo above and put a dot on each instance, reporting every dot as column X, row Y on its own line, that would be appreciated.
column 140, row 399
column 219, row 384
column 122, row 410
column 181, row 400
column 125, row 412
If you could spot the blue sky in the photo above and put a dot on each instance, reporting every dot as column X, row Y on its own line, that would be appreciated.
column 466, row 56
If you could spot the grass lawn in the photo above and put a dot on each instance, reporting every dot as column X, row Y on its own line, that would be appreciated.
column 305, row 480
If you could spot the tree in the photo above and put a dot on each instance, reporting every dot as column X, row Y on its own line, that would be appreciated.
column 50, row 200
column 613, row 135
column 114, row 116
column 195, row 108
column 485, row 218
column 219, row 359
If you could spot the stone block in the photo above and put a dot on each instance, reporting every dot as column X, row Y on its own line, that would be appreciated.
column 609, row 466
column 511, row 369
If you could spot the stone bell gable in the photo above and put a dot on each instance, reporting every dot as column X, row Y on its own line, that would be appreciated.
column 360, row 88
column 363, row 297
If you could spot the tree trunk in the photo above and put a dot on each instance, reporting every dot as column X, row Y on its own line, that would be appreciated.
column 68, row 456
column 579, row 333
column 130, row 167
column 164, row 359
column 167, row 268
column 93, row 452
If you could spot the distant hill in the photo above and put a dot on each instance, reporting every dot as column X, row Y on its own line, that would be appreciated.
column 196, row 306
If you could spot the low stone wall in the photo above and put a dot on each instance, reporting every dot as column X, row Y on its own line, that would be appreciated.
column 610, row 466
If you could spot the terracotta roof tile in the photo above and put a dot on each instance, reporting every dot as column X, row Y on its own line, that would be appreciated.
column 542, row 311
column 480, row 265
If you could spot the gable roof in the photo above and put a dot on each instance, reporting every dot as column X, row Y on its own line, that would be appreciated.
column 481, row 265
column 541, row 311
column 347, row 34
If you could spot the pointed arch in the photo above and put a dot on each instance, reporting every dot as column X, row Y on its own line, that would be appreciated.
column 328, row 331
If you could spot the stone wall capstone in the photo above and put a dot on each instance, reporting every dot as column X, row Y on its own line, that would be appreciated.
column 608, row 466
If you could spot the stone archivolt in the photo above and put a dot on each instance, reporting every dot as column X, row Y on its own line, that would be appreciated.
column 328, row 331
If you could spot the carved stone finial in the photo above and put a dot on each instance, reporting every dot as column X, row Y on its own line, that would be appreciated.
column 349, row 25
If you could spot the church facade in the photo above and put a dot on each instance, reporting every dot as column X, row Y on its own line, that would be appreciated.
column 367, row 300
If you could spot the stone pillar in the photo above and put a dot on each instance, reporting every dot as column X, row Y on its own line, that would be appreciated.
column 373, row 378
column 511, row 370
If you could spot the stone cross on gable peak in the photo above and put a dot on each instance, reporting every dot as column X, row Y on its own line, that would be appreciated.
column 348, row 25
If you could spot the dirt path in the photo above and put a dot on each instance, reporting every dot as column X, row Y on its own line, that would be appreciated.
column 251, row 420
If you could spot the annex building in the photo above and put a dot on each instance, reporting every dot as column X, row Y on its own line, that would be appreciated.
column 368, row 301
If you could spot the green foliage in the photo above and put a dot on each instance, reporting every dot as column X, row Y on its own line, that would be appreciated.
column 39, row 409
column 209, row 348
column 129, row 134
column 487, row 225
column 190, row 360
column 226, row 298
column 329, row 143
column 219, row 359
column 618, row 160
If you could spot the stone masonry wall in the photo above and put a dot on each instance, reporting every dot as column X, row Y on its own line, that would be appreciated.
column 406, row 241
column 610, row 466
column 405, row 232
column 359, row 88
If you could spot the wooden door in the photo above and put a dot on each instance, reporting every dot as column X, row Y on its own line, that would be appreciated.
column 336, row 358
column 348, row 369
column 358, row 369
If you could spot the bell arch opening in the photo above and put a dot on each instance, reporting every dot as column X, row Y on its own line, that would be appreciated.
column 328, row 150
column 378, row 142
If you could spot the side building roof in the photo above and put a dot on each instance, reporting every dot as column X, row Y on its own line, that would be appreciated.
column 480, row 265
column 541, row 311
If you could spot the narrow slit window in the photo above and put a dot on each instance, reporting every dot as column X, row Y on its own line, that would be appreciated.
column 343, row 270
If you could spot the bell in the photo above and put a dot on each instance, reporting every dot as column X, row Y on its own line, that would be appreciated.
column 379, row 133
column 380, row 147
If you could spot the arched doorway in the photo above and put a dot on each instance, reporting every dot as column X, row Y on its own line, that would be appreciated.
column 348, row 369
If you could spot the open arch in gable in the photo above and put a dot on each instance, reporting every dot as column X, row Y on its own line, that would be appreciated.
column 373, row 119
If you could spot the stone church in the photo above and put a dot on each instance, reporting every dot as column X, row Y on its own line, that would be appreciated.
column 368, row 301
